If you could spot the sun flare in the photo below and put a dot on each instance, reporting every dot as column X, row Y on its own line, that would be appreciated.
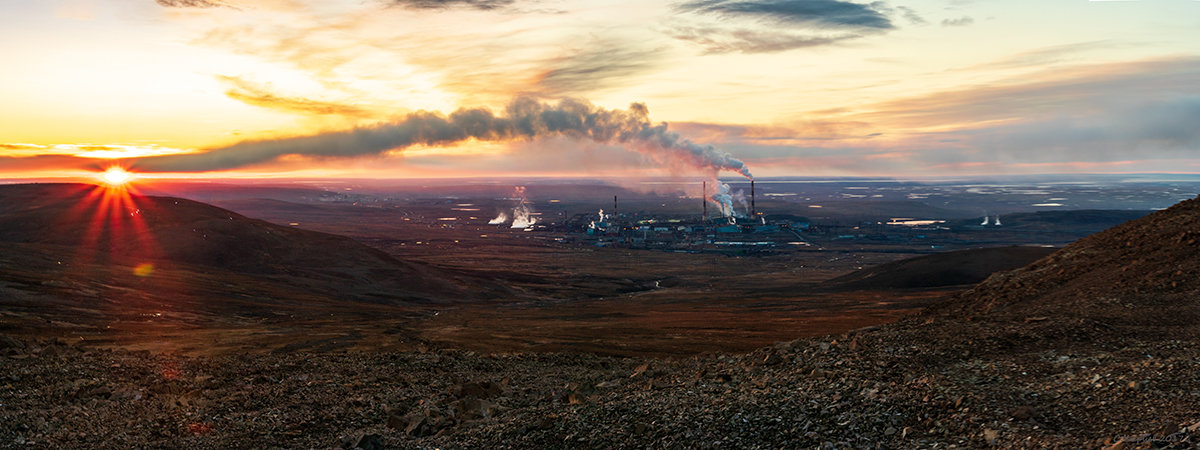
column 116, row 176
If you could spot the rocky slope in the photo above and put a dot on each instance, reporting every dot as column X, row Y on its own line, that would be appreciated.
column 963, row 267
column 1093, row 346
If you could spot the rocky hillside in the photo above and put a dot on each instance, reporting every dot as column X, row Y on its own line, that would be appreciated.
column 1142, row 276
column 1094, row 346
column 963, row 267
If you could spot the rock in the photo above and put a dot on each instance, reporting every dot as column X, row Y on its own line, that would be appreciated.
column 574, row 398
column 426, row 423
column 543, row 423
column 640, row 370
column 1168, row 429
column 127, row 394
column 990, row 436
column 771, row 359
column 1022, row 413
column 474, row 408
column 363, row 442
column 8, row 342
column 484, row 389
column 396, row 421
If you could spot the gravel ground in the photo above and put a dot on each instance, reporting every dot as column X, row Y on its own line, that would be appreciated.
column 1094, row 346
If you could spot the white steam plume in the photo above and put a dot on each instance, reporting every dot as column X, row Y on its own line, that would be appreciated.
column 500, row 219
column 523, row 118
column 522, row 213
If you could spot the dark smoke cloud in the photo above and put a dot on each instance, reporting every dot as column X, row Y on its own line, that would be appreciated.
column 812, row 13
column 524, row 118
column 485, row 5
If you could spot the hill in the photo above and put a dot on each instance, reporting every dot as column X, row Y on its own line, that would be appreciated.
column 941, row 269
column 1093, row 346
column 89, row 227
column 1144, row 273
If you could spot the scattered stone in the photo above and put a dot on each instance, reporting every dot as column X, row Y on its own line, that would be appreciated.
column 771, row 359
column 1022, row 413
column 484, row 389
column 990, row 436
column 363, row 442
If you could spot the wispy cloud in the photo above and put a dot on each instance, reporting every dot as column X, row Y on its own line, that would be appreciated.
column 193, row 4
column 744, row 40
column 446, row 4
column 1141, row 114
column 768, row 26
column 808, row 13
column 597, row 65
column 911, row 15
column 1041, row 57
column 958, row 22
column 262, row 96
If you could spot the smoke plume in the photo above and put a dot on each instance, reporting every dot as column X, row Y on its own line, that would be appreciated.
column 724, row 199
column 500, row 219
column 522, row 213
column 523, row 118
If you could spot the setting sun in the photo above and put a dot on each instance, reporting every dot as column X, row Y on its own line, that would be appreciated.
column 116, row 176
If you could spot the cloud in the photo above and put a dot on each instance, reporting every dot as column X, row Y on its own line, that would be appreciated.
column 743, row 40
column 524, row 119
column 1041, row 57
column 1106, row 117
column 261, row 96
column 192, row 4
column 485, row 5
column 911, row 15
column 807, row 13
column 407, row 59
column 1083, row 115
column 781, row 25
column 959, row 22
column 598, row 65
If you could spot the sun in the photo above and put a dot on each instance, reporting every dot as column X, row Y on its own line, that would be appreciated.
column 116, row 176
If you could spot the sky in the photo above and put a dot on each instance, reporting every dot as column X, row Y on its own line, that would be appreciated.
column 474, row 88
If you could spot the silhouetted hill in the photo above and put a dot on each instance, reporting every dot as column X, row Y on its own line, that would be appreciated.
column 942, row 269
column 85, row 224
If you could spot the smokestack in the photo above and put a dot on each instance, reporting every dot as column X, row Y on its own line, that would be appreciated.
column 704, row 201
column 614, row 214
column 753, row 210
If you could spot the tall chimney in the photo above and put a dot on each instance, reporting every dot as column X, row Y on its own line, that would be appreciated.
column 753, row 210
column 704, row 201
column 614, row 214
